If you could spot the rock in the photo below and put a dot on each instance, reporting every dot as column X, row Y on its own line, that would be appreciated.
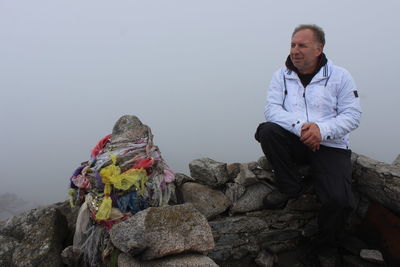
column 72, row 256
column 7, row 247
column 184, row 260
column 277, row 241
column 371, row 255
column 234, row 191
column 181, row 178
column 274, row 230
column 362, row 206
column 252, row 199
column 235, row 237
column 263, row 175
column 264, row 163
column 33, row 238
column 128, row 129
column 245, row 176
column 306, row 202
column 174, row 195
column 158, row 232
column 209, row 172
column 266, row 259
column 396, row 162
column 208, row 201
column 71, row 214
column 354, row 157
column 379, row 181
column 233, row 170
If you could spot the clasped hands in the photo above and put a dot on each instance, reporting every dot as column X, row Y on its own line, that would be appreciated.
column 311, row 135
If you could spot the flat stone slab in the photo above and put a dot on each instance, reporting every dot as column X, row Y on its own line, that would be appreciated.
column 158, row 232
column 184, row 260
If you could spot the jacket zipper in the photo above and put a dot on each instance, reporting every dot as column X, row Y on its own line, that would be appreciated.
column 305, row 102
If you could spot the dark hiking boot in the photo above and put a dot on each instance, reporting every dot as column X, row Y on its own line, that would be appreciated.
column 276, row 200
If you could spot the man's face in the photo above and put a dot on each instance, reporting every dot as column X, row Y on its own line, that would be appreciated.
column 305, row 50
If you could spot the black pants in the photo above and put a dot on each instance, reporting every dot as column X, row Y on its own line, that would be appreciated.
column 330, row 168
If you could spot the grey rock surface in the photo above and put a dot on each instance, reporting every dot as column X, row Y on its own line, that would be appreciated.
column 252, row 199
column 263, row 175
column 233, row 170
column 274, row 230
column 208, row 201
column 234, row 191
column 181, row 178
column 33, row 238
column 158, row 232
column 209, row 171
column 371, row 255
column 127, row 129
column 379, row 181
column 264, row 163
column 245, row 176
column 184, row 260
column 396, row 162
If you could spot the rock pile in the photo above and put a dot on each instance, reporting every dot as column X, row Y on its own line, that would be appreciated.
column 215, row 216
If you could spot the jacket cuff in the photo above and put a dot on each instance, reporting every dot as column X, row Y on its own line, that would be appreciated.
column 296, row 127
column 324, row 130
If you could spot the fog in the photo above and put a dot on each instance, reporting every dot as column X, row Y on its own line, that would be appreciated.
column 196, row 72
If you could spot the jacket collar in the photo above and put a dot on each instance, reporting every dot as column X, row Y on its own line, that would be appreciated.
column 322, row 72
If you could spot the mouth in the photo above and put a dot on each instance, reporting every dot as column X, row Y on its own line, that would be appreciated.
column 296, row 59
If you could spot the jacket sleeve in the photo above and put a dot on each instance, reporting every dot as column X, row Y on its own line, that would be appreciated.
column 274, row 109
column 348, row 111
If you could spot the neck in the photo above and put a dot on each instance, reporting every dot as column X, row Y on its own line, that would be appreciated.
column 308, row 70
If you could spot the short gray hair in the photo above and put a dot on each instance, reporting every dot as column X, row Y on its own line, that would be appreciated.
column 318, row 31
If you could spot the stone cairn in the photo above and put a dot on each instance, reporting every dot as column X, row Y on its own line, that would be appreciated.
column 214, row 217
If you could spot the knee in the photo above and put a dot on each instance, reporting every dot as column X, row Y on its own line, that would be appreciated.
column 266, row 130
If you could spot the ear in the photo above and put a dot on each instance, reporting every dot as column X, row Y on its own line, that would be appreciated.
column 320, row 49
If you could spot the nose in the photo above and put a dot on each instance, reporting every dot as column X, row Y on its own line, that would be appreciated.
column 294, row 49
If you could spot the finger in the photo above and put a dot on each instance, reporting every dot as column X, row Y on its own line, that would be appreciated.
column 305, row 126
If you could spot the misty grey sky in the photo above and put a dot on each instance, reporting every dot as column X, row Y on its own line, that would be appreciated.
column 196, row 72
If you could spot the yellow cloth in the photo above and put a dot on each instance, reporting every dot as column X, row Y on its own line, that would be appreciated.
column 112, row 176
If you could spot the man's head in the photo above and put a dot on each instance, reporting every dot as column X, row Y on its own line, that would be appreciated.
column 307, row 45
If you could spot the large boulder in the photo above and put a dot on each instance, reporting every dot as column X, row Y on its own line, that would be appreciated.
column 34, row 238
column 209, row 172
column 157, row 232
column 208, row 201
column 379, row 181
column 184, row 260
column 274, row 230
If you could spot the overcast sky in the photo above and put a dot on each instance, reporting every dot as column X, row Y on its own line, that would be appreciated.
column 196, row 72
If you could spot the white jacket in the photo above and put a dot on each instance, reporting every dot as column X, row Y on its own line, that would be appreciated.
column 330, row 100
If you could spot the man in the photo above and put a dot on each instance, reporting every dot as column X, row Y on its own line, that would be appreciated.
column 312, row 106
